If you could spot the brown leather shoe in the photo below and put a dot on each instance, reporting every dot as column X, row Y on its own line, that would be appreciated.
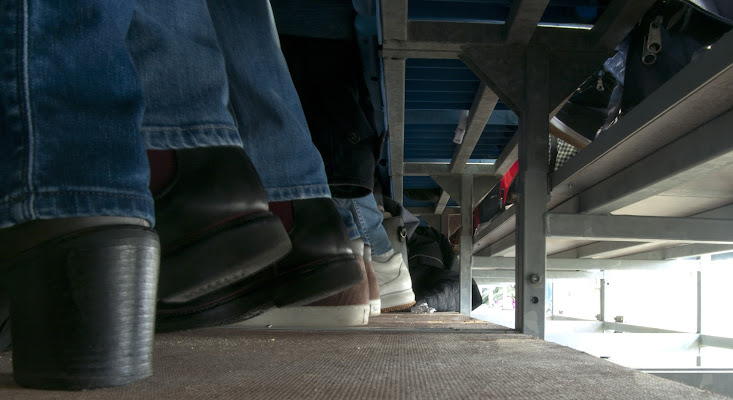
column 375, row 304
column 321, row 263
column 214, row 224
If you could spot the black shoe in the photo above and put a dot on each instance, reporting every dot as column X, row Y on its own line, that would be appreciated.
column 320, row 264
column 82, row 303
column 214, row 224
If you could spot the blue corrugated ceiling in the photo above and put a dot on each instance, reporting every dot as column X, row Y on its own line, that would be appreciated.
column 438, row 91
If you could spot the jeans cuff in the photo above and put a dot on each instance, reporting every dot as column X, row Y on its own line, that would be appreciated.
column 298, row 192
column 163, row 138
column 79, row 203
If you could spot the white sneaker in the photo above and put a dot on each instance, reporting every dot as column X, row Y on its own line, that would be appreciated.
column 395, row 285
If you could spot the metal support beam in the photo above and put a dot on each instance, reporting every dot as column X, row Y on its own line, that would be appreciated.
column 572, row 264
column 442, row 202
column 620, row 249
column 420, row 211
column 610, row 249
column 508, row 274
column 501, row 247
column 394, row 20
column 508, row 156
column 394, row 76
column 499, row 227
column 684, row 251
column 481, row 109
column 602, row 314
column 452, row 185
column 635, row 328
column 482, row 185
column 466, row 244
column 533, row 194
column 679, row 162
column 445, row 224
column 522, row 20
column 716, row 341
column 433, row 169
column 652, row 229
column 699, row 301
column 617, row 21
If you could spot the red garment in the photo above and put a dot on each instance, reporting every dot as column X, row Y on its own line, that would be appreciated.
column 507, row 179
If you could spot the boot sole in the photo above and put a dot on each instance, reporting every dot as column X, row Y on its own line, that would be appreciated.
column 375, row 307
column 311, row 317
column 260, row 293
column 224, row 256
column 83, row 309
column 397, row 301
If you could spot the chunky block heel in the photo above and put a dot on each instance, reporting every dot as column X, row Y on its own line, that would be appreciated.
column 83, row 308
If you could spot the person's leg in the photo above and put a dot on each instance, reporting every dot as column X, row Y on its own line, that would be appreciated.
column 264, row 101
column 77, row 256
column 275, row 136
column 368, row 220
column 388, row 241
column 211, row 210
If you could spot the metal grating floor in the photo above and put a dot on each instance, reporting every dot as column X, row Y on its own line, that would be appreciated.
column 235, row 363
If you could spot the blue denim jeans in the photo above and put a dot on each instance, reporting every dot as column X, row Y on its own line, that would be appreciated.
column 71, row 105
column 366, row 223
column 79, row 105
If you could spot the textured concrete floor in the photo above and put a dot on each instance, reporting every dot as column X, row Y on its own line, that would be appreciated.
column 235, row 363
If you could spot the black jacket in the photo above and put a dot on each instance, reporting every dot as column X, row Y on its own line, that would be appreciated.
column 434, row 270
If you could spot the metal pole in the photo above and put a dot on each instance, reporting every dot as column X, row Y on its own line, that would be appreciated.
column 466, row 243
column 602, row 315
column 533, row 195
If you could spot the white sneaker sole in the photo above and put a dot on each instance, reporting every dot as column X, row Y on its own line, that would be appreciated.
column 397, row 301
column 375, row 307
column 311, row 317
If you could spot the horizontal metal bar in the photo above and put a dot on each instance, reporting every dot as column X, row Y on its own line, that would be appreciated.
column 682, row 161
column 574, row 264
column 625, row 228
column 431, row 211
column 683, row 251
column 616, row 249
column 635, row 328
column 716, row 341
column 509, row 274
column 499, row 227
column 445, row 39
column 430, row 169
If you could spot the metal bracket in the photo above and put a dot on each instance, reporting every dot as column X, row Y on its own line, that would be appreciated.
column 652, row 42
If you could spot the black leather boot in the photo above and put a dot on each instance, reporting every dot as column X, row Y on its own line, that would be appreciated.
column 82, row 300
column 320, row 264
column 214, row 224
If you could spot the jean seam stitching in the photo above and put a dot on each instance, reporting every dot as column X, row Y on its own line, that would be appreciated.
column 28, row 116
column 357, row 211
column 20, row 197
